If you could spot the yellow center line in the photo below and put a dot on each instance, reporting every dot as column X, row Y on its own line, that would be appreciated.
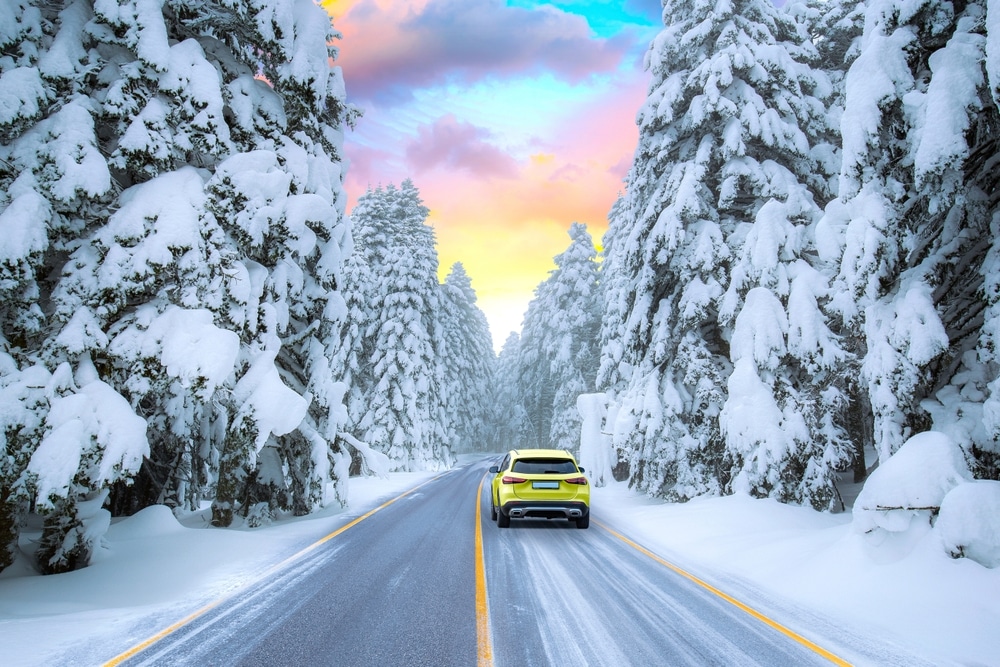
column 138, row 648
column 485, row 647
column 733, row 601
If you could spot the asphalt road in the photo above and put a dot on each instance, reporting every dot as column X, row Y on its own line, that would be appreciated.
column 400, row 588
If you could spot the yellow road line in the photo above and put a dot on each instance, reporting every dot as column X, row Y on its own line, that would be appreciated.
column 138, row 648
column 733, row 601
column 485, row 647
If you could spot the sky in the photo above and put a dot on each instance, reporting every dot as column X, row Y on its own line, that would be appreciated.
column 513, row 119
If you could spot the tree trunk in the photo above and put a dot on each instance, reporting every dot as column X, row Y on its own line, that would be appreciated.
column 232, row 476
column 860, row 425
column 10, row 529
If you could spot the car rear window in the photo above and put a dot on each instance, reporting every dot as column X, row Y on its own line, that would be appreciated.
column 542, row 466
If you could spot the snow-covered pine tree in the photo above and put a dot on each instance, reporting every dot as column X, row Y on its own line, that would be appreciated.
column 354, row 337
column 781, row 418
column 915, row 208
column 983, row 169
column 536, row 387
column 468, row 361
column 284, row 205
column 558, row 344
column 401, row 410
column 725, row 129
column 512, row 425
column 139, row 270
column 835, row 27
column 25, row 395
column 574, row 311
column 55, row 187
column 614, row 289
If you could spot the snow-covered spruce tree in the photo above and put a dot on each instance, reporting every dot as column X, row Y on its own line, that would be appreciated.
column 92, row 438
column 971, row 180
column 558, row 345
column 351, row 359
column 284, row 206
column 55, row 187
column 468, row 361
column 614, row 370
column 573, row 308
column 726, row 129
column 288, row 224
column 835, row 27
column 536, row 386
column 512, row 426
column 136, row 298
column 25, row 395
column 985, row 451
column 400, row 409
column 910, row 226
column 141, row 270
column 781, row 420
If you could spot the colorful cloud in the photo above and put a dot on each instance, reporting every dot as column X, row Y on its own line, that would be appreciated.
column 453, row 145
column 513, row 119
column 393, row 47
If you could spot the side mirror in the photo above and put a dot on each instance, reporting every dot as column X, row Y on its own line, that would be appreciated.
column 582, row 470
column 494, row 469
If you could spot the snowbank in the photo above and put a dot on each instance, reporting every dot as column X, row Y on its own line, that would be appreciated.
column 901, row 501
column 969, row 524
column 596, row 453
column 810, row 564
column 910, row 485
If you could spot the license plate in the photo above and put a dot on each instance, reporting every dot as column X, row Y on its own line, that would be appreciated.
column 545, row 485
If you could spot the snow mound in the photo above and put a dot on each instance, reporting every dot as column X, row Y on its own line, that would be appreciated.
column 595, row 445
column 969, row 523
column 912, row 483
column 148, row 522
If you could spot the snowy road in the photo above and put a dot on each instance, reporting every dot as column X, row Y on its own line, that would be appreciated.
column 563, row 596
column 397, row 589
column 559, row 596
column 400, row 588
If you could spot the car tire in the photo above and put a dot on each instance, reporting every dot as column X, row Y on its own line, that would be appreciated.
column 493, row 511
column 583, row 521
column 503, row 520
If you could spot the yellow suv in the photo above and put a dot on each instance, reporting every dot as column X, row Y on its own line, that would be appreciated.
column 539, row 484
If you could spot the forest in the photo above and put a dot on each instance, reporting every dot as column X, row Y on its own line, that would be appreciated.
column 800, row 275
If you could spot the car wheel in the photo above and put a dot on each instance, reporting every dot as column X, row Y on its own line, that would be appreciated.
column 503, row 520
column 583, row 521
column 493, row 511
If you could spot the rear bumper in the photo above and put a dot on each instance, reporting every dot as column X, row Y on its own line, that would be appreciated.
column 548, row 509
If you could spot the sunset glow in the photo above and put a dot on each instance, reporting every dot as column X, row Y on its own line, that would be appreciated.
column 513, row 119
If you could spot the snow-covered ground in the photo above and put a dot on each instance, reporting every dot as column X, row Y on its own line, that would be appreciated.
column 945, row 610
column 156, row 569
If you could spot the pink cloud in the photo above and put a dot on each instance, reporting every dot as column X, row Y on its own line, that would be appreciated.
column 620, row 169
column 390, row 48
column 454, row 145
column 568, row 172
column 368, row 168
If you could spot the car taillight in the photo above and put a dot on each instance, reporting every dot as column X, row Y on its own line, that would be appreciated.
column 576, row 480
column 510, row 479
